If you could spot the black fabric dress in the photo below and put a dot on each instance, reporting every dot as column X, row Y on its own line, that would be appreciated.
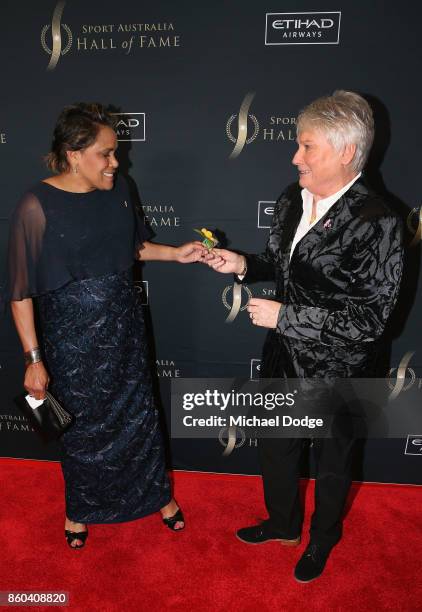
column 74, row 253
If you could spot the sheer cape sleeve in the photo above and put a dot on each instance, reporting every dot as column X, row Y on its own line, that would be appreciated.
column 27, row 229
column 57, row 237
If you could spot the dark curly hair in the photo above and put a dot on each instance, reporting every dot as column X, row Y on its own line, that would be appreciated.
column 76, row 128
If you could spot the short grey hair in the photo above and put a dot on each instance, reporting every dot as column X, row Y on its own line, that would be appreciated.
column 345, row 118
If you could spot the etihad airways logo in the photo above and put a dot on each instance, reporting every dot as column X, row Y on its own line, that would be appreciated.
column 130, row 127
column 59, row 46
column 302, row 28
column 413, row 445
column 265, row 213
column 142, row 288
column 255, row 369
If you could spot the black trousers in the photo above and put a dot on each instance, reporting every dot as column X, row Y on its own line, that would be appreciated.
column 280, row 464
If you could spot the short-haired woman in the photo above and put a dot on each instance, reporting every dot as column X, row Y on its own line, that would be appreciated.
column 73, row 240
column 335, row 253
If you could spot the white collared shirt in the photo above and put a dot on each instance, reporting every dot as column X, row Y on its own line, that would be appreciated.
column 322, row 207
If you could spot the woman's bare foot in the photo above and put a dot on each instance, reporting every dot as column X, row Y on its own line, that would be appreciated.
column 169, row 511
column 76, row 527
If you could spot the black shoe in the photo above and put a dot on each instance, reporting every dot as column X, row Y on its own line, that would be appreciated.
column 312, row 563
column 258, row 534
column 171, row 521
column 71, row 536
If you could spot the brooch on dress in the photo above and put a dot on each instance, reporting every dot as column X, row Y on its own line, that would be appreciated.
column 328, row 224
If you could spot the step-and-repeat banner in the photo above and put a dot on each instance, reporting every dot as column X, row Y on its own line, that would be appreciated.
column 177, row 74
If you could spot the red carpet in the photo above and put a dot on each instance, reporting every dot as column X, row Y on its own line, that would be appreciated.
column 143, row 566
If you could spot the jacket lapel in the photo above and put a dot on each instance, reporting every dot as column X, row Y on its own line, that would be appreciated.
column 340, row 213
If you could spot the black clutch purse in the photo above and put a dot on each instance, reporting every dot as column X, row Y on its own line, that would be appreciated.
column 50, row 419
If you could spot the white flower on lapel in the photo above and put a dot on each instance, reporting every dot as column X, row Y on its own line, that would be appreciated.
column 328, row 224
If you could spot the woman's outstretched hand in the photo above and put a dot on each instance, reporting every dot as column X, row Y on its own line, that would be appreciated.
column 227, row 262
column 190, row 252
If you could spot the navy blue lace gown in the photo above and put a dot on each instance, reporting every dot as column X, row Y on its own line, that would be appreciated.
column 95, row 345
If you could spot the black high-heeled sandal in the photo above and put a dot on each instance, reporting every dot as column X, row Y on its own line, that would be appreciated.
column 71, row 536
column 171, row 521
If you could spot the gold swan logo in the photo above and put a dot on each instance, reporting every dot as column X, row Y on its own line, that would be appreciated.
column 400, row 383
column 56, row 35
column 231, row 438
column 236, row 306
column 242, row 126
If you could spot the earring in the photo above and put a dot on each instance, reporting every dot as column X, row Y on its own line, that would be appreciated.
column 75, row 169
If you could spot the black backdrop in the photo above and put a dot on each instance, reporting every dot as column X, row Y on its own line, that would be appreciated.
column 179, row 72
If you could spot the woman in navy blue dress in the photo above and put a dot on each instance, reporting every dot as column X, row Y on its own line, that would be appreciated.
column 73, row 240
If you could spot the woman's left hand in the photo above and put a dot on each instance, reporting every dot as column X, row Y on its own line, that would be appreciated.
column 264, row 313
column 190, row 252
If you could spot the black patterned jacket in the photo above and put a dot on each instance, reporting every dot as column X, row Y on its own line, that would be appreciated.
column 340, row 286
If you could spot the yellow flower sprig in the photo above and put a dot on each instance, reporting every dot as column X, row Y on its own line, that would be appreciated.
column 209, row 240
